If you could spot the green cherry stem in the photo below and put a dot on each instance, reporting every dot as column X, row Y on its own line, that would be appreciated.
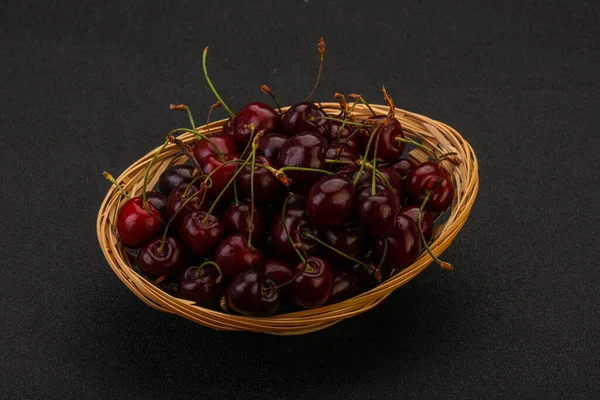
column 342, row 121
column 210, row 84
column 374, row 173
column 148, row 172
column 362, row 166
column 267, row 90
column 182, row 107
column 209, row 263
column 359, row 99
column 251, row 227
column 112, row 180
column 383, row 256
column 330, row 247
column 445, row 265
column 306, row 169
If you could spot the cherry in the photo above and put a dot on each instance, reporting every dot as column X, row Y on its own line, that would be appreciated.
column 298, row 200
column 174, row 176
column 339, row 152
column 260, row 115
column 224, row 143
column 178, row 196
column 367, row 273
column 221, row 177
column 304, row 150
column 347, row 240
column 345, row 285
column 403, row 246
column 252, row 293
column 305, row 118
column 200, row 236
column 235, row 256
column 330, row 201
column 157, row 258
column 403, row 167
column 201, row 285
column 394, row 179
column 412, row 211
column 138, row 225
column 296, row 223
column 281, row 272
column 158, row 201
column 341, row 137
column 313, row 284
column 237, row 221
column 377, row 212
column 388, row 148
column 269, row 145
column 352, row 171
column 429, row 176
column 266, row 186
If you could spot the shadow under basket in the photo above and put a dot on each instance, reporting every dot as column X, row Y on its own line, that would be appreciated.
column 431, row 133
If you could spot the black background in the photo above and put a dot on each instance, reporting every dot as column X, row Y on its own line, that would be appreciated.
column 86, row 88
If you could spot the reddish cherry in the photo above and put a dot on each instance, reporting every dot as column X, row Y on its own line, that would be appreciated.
column 222, row 176
column 330, row 201
column 252, row 293
column 237, row 220
column 377, row 213
column 138, row 225
column 200, row 285
column 313, row 287
column 224, row 143
column 262, row 116
column 235, row 256
column 403, row 246
column 412, row 211
column 306, row 150
column 303, row 118
column 269, row 145
column 345, row 285
column 199, row 236
column 157, row 260
column 429, row 176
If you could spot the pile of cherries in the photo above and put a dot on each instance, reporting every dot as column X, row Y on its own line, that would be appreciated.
column 284, row 210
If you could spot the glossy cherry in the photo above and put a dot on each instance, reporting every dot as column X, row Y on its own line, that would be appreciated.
column 344, row 134
column 158, row 201
column 252, row 293
column 262, row 116
column 269, row 145
column 235, row 256
column 158, row 260
column 347, row 240
column 388, row 148
column 178, row 197
column 429, row 176
column 174, row 176
column 403, row 167
column 412, row 211
column 367, row 273
column 200, row 285
column 351, row 172
column 266, row 185
column 281, row 272
column 306, row 150
column 296, row 222
column 394, row 179
column 137, row 224
column 237, row 221
column 330, row 201
column 345, row 285
column 221, row 178
column 339, row 152
column 403, row 246
column 312, row 287
column 225, row 143
column 377, row 213
column 303, row 118
column 201, row 237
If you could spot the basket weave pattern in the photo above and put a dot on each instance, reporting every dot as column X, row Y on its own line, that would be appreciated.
column 431, row 133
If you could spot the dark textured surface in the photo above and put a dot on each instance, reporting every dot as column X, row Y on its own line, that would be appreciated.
column 86, row 88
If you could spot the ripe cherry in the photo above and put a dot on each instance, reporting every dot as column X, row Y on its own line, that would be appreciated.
column 296, row 222
column 179, row 196
column 157, row 258
column 237, row 221
column 403, row 167
column 339, row 152
column 137, row 224
column 269, row 145
column 305, row 118
column 412, row 211
column 201, row 285
column 330, row 201
column 403, row 246
column 281, row 272
column 337, row 136
column 221, row 177
column 377, row 212
column 224, row 143
column 429, row 176
column 347, row 240
column 394, row 179
column 174, row 176
column 260, row 115
column 252, row 293
column 305, row 150
column 199, row 235
column 266, row 186
column 367, row 273
column 313, row 284
column 345, row 285
column 235, row 256
column 388, row 148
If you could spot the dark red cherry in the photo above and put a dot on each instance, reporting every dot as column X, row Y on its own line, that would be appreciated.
column 269, row 145
column 345, row 285
column 377, row 213
column 303, row 118
column 347, row 240
column 281, row 272
column 252, row 293
column 200, row 285
column 412, row 211
column 403, row 167
column 367, row 274
column 137, row 225
column 178, row 197
column 388, row 149
column 344, row 134
column 330, row 201
column 266, row 186
column 159, row 201
column 296, row 222
column 313, row 287
column 305, row 150
column 351, row 171
column 221, row 178
column 261, row 115
column 404, row 245
column 156, row 260
column 339, row 152
column 237, row 220
column 199, row 236
column 224, row 143
column 430, row 176
column 235, row 256
column 174, row 176
column 394, row 179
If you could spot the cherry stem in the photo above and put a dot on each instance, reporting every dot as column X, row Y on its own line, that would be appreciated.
column 251, row 227
column 306, row 169
column 279, row 174
column 186, row 150
column 443, row 264
column 388, row 98
column 342, row 121
column 112, row 180
column 330, row 247
column 210, row 110
column 201, row 137
column 287, row 232
column 267, row 90
column 383, row 256
column 182, row 107
column 417, row 144
column 209, row 263
column 209, row 176
column 202, row 190
column 231, row 114
column 362, row 165
column 148, row 172
column 359, row 99
column 321, row 47
column 374, row 173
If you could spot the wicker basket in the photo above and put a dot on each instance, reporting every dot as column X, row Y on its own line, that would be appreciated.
column 432, row 133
